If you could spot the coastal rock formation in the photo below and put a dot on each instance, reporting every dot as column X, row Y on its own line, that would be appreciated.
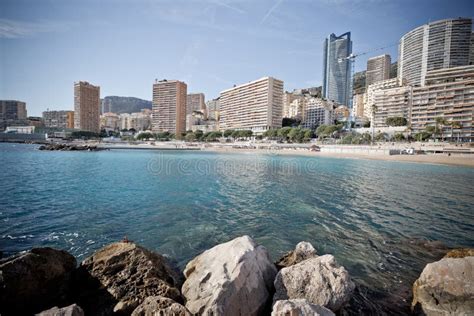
column 233, row 278
column 69, row 147
column 460, row 253
column 71, row 310
column 446, row 287
column 300, row 307
column 303, row 250
column 157, row 305
column 129, row 274
column 35, row 280
column 320, row 280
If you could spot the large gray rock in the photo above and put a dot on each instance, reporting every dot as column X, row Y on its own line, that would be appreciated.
column 157, row 306
column 299, row 307
column 33, row 281
column 129, row 274
column 303, row 250
column 319, row 280
column 234, row 278
column 446, row 287
column 71, row 310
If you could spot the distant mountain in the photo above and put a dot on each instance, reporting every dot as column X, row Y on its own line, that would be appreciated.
column 123, row 104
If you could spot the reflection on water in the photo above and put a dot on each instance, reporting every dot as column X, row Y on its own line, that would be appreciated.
column 378, row 218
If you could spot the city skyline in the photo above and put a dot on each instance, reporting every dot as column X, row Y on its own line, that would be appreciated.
column 40, row 66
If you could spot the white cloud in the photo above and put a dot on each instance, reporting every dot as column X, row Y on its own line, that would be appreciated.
column 19, row 29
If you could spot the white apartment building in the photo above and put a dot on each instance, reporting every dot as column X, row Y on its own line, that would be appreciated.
column 212, row 109
column 436, row 45
column 139, row 121
column 256, row 106
column 110, row 121
column 369, row 100
column 448, row 93
column 394, row 102
column 318, row 112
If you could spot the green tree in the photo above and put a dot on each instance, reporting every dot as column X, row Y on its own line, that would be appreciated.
column 235, row 134
column 422, row 136
column 283, row 132
column 347, row 139
column 455, row 125
column 398, row 137
column 440, row 123
column 308, row 134
column 320, row 130
column 396, row 121
column 84, row 134
column 163, row 135
column 380, row 137
column 190, row 137
column 228, row 132
column 198, row 134
column 143, row 136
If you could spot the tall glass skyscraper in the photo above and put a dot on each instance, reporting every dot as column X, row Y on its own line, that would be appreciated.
column 337, row 85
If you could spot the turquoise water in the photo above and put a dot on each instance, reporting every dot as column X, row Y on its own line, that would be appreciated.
column 374, row 216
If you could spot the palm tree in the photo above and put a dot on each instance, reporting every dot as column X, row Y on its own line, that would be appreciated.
column 408, row 131
column 440, row 121
column 455, row 125
column 373, row 109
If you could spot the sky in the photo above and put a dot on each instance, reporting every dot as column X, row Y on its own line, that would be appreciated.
column 124, row 45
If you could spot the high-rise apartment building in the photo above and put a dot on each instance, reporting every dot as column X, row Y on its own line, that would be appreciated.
column 369, row 101
column 212, row 109
column 195, row 102
column 448, row 93
column 318, row 112
column 471, row 50
column 256, row 105
column 12, row 110
column 436, row 45
column 393, row 102
column 109, row 121
column 86, row 107
column 169, row 106
column 58, row 119
column 358, row 105
column 378, row 69
column 337, row 81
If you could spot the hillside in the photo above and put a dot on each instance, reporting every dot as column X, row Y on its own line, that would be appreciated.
column 119, row 105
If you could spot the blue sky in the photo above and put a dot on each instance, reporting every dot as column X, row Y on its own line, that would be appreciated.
column 210, row 44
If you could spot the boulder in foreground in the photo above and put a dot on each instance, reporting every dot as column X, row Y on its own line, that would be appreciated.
column 303, row 250
column 233, row 278
column 128, row 273
column 446, row 287
column 71, row 310
column 299, row 307
column 460, row 253
column 319, row 280
column 36, row 280
column 157, row 305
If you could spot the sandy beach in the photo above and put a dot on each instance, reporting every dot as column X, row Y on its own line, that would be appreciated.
column 461, row 159
column 456, row 160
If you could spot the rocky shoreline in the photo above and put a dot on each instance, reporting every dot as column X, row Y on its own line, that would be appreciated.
column 69, row 147
column 232, row 278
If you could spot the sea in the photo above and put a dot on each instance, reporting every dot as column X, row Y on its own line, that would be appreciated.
column 382, row 220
